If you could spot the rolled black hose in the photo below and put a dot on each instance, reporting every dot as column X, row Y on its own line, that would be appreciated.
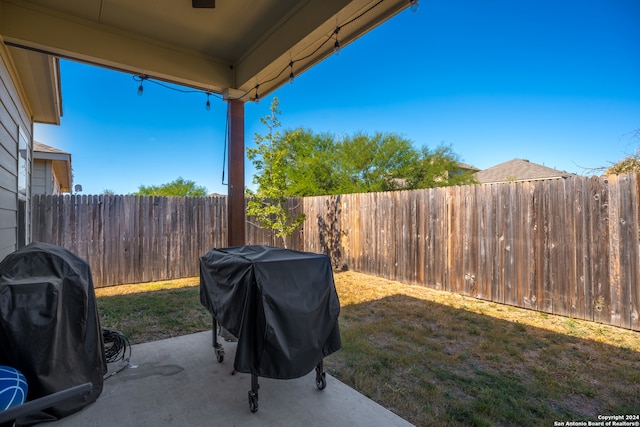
column 115, row 345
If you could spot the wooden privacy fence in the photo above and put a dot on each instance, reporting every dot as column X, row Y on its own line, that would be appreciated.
column 131, row 239
column 567, row 246
column 135, row 239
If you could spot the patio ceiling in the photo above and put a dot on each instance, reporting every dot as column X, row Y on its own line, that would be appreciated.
column 238, row 49
column 232, row 48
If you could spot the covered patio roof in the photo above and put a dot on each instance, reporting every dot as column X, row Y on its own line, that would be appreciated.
column 243, row 46
column 239, row 49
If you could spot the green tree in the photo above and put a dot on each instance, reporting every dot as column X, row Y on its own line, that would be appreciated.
column 376, row 163
column 312, row 167
column 437, row 168
column 268, row 204
column 323, row 165
column 108, row 192
column 179, row 187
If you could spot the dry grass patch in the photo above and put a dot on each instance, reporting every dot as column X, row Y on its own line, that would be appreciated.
column 433, row 357
column 438, row 358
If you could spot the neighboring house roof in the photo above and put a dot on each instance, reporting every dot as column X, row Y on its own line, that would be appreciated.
column 61, row 162
column 519, row 170
column 465, row 167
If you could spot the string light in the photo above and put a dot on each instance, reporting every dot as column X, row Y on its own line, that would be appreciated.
column 141, row 88
column 144, row 78
column 414, row 5
column 337, row 47
column 291, row 73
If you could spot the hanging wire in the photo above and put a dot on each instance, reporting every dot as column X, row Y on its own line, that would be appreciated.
column 328, row 39
column 144, row 78
column 224, row 151
column 331, row 37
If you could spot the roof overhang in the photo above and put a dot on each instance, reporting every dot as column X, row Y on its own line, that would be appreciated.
column 236, row 47
column 38, row 76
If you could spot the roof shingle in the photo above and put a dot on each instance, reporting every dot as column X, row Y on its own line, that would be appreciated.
column 519, row 170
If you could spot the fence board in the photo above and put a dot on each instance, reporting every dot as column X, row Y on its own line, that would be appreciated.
column 481, row 280
column 604, row 283
column 614, row 252
column 627, row 245
column 634, row 273
column 579, row 253
column 510, row 271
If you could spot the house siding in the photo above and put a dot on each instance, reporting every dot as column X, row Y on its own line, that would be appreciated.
column 13, row 119
column 44, row 180
column 41, row 180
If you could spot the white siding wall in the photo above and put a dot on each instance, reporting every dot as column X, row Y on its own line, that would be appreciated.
column 13, row 116
column 42, row 176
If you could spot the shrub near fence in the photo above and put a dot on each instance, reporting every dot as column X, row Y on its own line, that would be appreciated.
column 566, row 247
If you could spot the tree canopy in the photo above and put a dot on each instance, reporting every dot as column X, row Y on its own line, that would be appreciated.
column 322, row 164
column 178, row 187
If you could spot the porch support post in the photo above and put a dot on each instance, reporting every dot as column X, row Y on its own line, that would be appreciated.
column 235, row 200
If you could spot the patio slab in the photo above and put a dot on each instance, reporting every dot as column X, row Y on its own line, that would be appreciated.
column 178, row 381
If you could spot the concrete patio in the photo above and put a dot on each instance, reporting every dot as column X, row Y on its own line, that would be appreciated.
column 178, row 381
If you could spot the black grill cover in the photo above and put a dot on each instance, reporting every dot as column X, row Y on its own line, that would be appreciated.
column 49, row 327
column 281, row 304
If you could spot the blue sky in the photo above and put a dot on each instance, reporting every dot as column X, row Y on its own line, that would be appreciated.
column 555, row 82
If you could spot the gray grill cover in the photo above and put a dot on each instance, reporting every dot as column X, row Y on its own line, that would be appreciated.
column 281, row 304
column 49, row 325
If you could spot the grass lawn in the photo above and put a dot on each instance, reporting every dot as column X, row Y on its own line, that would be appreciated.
column 433, row 357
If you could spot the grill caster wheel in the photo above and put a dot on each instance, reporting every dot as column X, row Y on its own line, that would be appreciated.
column 253, row 401
column 321, row 381
column 220, row 354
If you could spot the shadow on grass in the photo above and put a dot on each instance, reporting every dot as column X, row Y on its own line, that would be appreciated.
column 434, row 364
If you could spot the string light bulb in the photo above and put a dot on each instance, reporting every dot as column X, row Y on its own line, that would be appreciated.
column 336, row 45
column 414, row 5
column 141, row 88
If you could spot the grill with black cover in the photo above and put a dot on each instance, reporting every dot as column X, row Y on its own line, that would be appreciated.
column 281, row 305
